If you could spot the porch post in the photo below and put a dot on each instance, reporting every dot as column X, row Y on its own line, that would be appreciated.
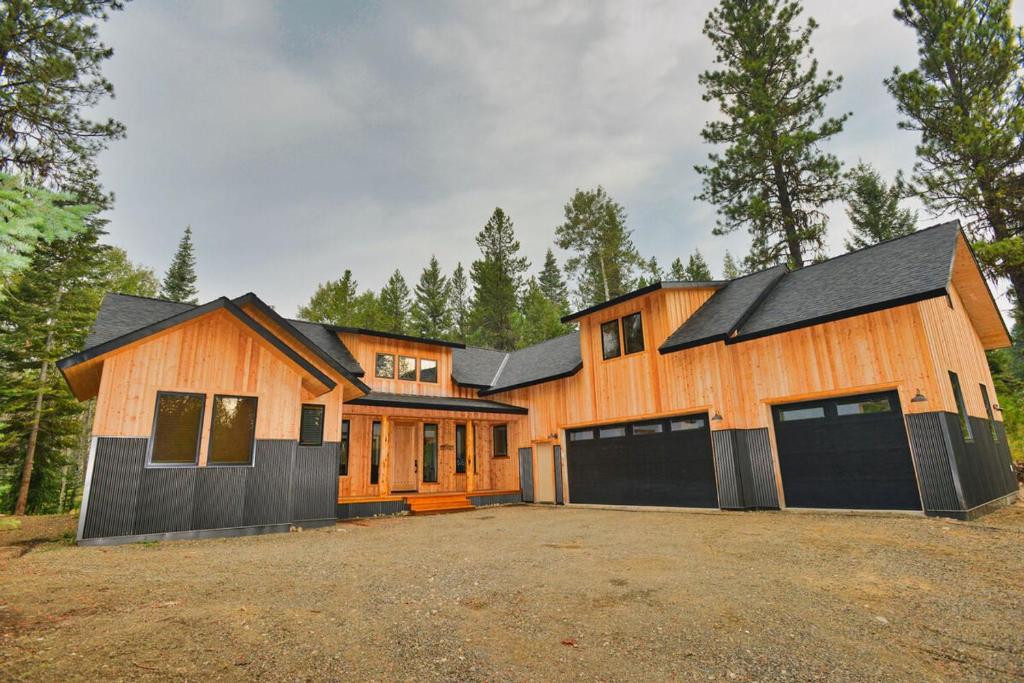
column 470, row 458
column 384, row 480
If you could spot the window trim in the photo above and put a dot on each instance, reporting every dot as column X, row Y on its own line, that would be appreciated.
column 988, row 411
column 437, row 455
column 494, row 452
column 376, row 366
column 323, row 415
column 624, row 339
column 343, row 446
column 618, row 338
column 961, row 406
column 156, row 417
column 252, row 446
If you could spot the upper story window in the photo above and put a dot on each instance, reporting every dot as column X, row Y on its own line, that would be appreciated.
column 384, row 366
column 428, row 370
column 407, row 368
column 633, row 333
column 988, row 411
column 630, row 340
column 610, row 346
column 311, row 426
column 177, row 428
column 961, row 408
column 233, row 430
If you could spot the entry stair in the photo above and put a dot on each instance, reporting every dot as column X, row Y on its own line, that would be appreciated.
column 439, row 504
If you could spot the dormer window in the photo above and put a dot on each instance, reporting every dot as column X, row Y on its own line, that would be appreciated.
column 407, row 368
column 428, row 370
column 610, row 346
column 630, row 340
column 384, row 366
column 633, row 333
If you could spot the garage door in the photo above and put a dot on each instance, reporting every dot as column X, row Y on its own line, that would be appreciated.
column 662, row 462
column 848, row 452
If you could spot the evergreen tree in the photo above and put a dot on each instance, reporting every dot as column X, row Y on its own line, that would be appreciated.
column 773, row 177
column 431, row 315
column 394, row 304
column 874, row 209
column 650, row 273
column 51, row 60
column 497, row 281
column 604, row 261
column 180, row 280
column 121, row 275
column 458, row 304
column 676, row 271
column 730, row 271
column 367, row 312
column 551, row 283
column 697, row 268
column 966, row 99
column 542, row 318
column 332, row 302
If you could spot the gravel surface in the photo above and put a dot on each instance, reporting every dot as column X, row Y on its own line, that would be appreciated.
column 528, row 593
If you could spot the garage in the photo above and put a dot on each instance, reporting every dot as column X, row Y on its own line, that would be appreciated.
column 657, row 463
column 849, row 453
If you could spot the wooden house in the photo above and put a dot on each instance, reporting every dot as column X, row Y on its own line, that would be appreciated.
column 857, row 383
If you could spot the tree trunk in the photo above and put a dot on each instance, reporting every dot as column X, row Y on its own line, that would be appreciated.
column 63, row 489
column 604, row 278
column 33, row 437
column 788, row 218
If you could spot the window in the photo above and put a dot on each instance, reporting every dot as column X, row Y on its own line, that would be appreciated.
column 384, row 366
column 794, row 414
column 988, row 411
column 499, row 447
column 232, row 430
column 961, row 407
column 311, row 427
column 428, row 370
column 685, row 424
column 460, row 449
column 633, row 333
column 586, row 435
column 343, row 460
column 177, row 426
column 430, row 454
column 610, row 339
column 863, row 407
column 375, row 453
column 475, row 442
column 649, row 428
column 611, row 432
column 407, row 368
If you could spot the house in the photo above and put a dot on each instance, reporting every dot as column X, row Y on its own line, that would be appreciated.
column 857, row 383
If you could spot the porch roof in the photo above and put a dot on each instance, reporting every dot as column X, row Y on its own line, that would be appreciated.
column 469, row 405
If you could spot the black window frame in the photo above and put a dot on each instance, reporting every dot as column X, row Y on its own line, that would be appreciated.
column 376, row 434
column 988, row 411
column 436, row 365
column 428, row 468
column 624, row 340
column 618, row 340
column 252, row 441
column 376, row 366
column 199, row 431
column 415, row 369
column 322, row 409
column 961, row 406
column 494, row 440
column 346, row 426
column 460, row 457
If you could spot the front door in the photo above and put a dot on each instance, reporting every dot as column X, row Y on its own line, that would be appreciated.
column 404, row 460
column 544, row 486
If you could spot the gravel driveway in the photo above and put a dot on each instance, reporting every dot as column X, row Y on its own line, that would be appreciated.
column 529, row 593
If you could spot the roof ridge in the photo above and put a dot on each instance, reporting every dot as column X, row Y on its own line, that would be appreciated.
column 155, row 298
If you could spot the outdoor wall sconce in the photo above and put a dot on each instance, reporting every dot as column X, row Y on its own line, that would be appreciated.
column 717, row 417
column 552, row 436
column 918, row 397
column 996, row 407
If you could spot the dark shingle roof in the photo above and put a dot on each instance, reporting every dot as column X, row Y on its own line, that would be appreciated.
column 476, row 405
column 330, row 344
column 723, row 311
column 476, row 367
column 551, row 359
column 665, row 284
column 120, row 314
column 898, row 271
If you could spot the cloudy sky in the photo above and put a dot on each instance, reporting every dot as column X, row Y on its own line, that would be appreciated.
column 300, row 139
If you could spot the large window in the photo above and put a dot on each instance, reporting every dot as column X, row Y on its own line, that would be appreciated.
column 233, row 430
column 407, row 368
column 610, row 347
column 428, row 370
column 633, row 333
column 988, row 411
column 460, row 449
column 311, row 427
column 499, row 447
column 375, row 454
column 961, row 407
column 430, row 454
column 384, row 366
column 177, row 427
column 343, row 461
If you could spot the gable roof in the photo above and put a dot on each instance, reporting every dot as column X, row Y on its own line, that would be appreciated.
column 120, row 314
column 543, row 362
column 666, row 284
column 395, row 335
column 330, row 344
column 475, row 405
column 476, row 367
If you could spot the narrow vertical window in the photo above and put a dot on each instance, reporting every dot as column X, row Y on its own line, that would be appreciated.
column 988, row 411
column 499, row 446
column 460, row 449
column 311, row 426
column 232, row 430
column 177, row 426
column 475, row 447
column 610, row 347
column 375, row 454
column 633, row 333
column 430, row 454
column 343, row 460
column 961, row 407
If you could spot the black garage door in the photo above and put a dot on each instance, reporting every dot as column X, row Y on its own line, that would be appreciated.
column 661, row 462
column 848, row 452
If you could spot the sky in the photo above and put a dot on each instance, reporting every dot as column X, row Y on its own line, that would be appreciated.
column 301, row 139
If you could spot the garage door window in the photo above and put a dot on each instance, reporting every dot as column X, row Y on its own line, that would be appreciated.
column 587, row 435
column 687, row 424
column 795, row 414
column 650, row 428
column 610, row 347
column 611, row 432
column 961, row 408
column 865, row 407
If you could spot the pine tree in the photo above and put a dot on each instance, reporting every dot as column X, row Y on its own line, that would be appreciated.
column 121, row 275
column 650, row 273
column 874, row 209
column 697, row 268
column 332, row 302
column 676, row 271
column 966, row 99
column 431, row 315
column 497, row 281
column 552, row 284
column 773, row 177
column 458, row 304
column 180, row 280
column 730, row 271
column 51, row 64
column 604, row 261
column 394, row 304
column 542, row 318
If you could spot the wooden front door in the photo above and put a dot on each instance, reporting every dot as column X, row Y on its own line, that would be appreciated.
column 404, row 458
column 544, row 478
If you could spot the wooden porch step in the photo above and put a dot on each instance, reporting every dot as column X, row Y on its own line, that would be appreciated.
column 434, row 505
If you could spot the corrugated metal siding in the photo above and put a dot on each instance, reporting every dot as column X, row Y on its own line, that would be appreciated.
column 983, row 464
column 935, row 476
column 505, row 499
column 268, row 484
column 723, row 444
column 165, row 500
column 117, row 468
column 764, row 493
column 559, row 494
column 315, row 481
column 219, row 497
column 387, row 507
column 746, row 473
column 526, row 473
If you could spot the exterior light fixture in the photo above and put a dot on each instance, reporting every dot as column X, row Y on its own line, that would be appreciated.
column 717, row 417
column 996, row 407
column 918, row 397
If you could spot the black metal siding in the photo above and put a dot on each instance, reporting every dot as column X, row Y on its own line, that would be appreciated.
column 117, row 469
column 984, row 465
column 267, row 485
column 559, row 496
column 356, row 510
column 746, row 473
column 764, row 492
column 504, row 499
column 219, row 497
column 315, row 481
column 526, row 473
column 932, row 456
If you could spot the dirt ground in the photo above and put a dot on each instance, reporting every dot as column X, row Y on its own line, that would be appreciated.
column 527, row 593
